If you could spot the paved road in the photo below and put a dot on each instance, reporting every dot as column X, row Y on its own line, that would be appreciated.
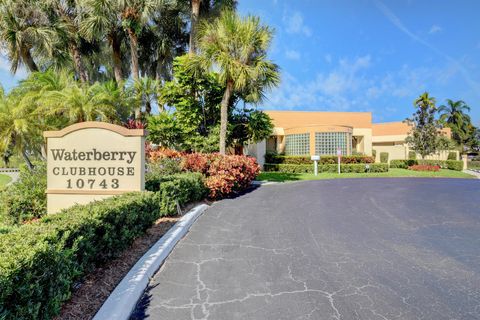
column 339, row 249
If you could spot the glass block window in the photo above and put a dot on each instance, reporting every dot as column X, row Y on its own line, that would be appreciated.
column 326, row 143
column 297, row 144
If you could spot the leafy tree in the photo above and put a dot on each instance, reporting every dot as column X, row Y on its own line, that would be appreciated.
column 145, row 93
column 251, row 126
column 164, row 130
column 423, row 137
column 237, row 48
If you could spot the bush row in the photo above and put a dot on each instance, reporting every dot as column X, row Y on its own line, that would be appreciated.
column 42, row 260
column 224, row 174
column 344, row 168
column 176, row 190
column 444, row 164
column 281, row 159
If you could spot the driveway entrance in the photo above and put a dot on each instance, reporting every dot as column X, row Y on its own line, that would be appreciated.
column 338, row 249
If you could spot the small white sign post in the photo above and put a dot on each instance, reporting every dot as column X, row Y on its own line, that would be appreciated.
column 315, row 159
column 339, row 155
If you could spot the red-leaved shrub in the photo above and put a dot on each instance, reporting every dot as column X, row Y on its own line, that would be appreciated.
column 424, row 167
column 159, row 154
column 225, row 174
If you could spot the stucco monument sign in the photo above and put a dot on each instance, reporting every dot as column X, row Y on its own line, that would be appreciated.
column 93, row 160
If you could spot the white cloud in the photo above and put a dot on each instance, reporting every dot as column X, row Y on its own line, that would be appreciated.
column 434, row 29
column 294, row 24
column 292, row 54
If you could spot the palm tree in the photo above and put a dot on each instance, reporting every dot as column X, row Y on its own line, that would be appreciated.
column 65, row 21
column 135, row 14
column 145, row 91
column 453, row 115
column 79, row 103
column 237, row 48
column 20, row 128
column 102, row 21
column 23, row 29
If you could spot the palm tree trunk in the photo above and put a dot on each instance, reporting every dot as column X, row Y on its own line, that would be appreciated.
column 28, row 60
column 193, row 25
column 116, row 56
column 134, row 53
column 224, row 116
column 27, row 160
column 134, row 60
column 77, row 60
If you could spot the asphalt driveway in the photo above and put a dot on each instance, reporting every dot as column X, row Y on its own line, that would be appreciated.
column 338, row 249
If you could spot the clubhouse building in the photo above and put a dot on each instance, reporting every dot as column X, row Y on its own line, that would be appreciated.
column 323, row 133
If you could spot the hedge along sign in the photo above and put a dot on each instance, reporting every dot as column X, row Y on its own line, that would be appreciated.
column 93, row 160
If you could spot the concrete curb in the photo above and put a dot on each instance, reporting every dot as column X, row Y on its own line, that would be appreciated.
column 122, row 301
column 475, row 173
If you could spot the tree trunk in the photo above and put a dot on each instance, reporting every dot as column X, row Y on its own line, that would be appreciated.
column 27, row 160
column 28, row 60
column 116, row 56
column 193, row 25
column 134, row 53
column 77, row 60
column 134, row 60
column 224, row 116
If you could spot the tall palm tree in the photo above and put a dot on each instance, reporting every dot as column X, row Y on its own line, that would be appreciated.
column 193, row 25
column 102, row 21
column 237, row 48
column 454, row 115
column 24, row 28
column 135, row 14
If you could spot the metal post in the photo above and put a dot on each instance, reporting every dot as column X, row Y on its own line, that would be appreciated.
column 315, row 159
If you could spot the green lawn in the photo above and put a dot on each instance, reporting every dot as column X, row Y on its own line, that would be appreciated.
column 393, row 173
column 4, row 180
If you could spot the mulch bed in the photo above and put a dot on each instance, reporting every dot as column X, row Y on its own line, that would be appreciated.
column 97, row 286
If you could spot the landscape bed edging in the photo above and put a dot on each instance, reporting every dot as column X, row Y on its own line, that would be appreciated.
column 122, row 301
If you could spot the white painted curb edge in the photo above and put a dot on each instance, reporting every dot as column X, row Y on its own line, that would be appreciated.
column 122, row 301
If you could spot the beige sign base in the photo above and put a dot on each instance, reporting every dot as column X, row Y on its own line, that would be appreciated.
column 91, row 161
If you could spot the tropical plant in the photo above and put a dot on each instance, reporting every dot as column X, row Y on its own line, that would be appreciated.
column 423, row 138
column 145, row 91
column 454, row 115
column 236, row 47
column 24, row 31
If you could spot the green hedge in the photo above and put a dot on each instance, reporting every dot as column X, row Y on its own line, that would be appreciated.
column 300, row 160
column 344, row 168
column 41, row 261
column 474, row 164
column 452, row 155
column 412, row 155
column 178, row 188
column 444, row 164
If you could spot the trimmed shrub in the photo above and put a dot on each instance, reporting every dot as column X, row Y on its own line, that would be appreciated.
column 474, row 164
column 176, row 190
column 230, row 174
column 374, row 153
column 424, row 167
column 455, row 165
column 403, row 164
column 452, row 156
column 42, row 260
column 412, row 155
column 25, row 199
column 166, row 166
column 383, row 157
column 280, row 159
column 344, row 168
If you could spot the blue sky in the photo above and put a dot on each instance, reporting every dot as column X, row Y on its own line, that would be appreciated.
column 372, row 55
column 366, row 55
